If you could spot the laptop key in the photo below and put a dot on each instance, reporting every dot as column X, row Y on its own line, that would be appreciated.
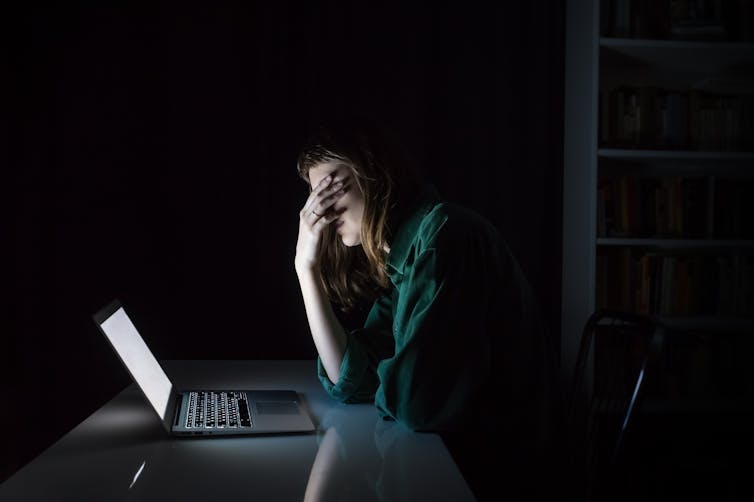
column 243, row 409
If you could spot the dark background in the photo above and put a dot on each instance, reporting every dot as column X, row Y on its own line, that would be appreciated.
column 151, row 157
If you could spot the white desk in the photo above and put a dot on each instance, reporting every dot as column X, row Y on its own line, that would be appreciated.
column 122, row 453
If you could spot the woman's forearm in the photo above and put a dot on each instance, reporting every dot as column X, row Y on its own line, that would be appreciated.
column 329, row 337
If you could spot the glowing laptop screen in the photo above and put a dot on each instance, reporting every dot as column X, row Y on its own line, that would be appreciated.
column 137, row 357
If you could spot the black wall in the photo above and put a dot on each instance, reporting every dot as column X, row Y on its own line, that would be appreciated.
column 151, row 157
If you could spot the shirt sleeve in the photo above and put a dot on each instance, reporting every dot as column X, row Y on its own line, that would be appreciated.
column 357, row 380
column 442, row 355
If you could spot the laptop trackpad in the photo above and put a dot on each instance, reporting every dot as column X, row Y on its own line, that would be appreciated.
column 279, row 411
column 277, row 408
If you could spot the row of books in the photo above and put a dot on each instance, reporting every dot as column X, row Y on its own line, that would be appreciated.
column 705, row 365
column 694, row 365
column 653, row 117
column 675, row 207
column 673, row 284
column 699, row 20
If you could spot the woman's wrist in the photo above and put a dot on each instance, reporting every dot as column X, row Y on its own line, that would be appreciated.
column 307, row 270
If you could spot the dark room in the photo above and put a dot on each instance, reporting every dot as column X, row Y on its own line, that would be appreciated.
column 384, row 251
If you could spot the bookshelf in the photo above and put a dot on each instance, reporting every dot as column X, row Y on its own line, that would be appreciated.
column 658, row 201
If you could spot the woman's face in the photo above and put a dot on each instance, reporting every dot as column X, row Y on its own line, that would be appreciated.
column 350, row 206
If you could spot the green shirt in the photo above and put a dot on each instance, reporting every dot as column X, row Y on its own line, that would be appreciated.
column 459, row 339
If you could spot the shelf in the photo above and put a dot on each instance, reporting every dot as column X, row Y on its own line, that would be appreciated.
column 717, row 324
column 682, row 56
column 675, row 243
column 688, row 405
column 672, row 155
column 595, row 67
column 701, row 323
column 631, row 162
column 685, row 405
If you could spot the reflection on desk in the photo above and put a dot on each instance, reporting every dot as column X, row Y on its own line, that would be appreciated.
column 121, row 452
column 387, row 462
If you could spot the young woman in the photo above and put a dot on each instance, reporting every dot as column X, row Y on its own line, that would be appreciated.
column 454, row 339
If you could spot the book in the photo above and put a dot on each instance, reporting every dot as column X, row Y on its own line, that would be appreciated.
column 697, row 20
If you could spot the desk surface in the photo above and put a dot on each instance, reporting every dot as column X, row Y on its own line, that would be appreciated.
column 121, row 451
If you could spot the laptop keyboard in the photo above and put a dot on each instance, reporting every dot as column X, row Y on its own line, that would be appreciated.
column 217, row 410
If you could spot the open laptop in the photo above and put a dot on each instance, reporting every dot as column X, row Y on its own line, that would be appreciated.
column 199, row 412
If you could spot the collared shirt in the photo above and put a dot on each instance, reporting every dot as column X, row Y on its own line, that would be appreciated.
column 459, row 336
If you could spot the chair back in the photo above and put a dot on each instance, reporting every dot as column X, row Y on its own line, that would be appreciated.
column 600, row 413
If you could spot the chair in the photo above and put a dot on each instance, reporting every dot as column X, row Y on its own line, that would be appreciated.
column 600, row 418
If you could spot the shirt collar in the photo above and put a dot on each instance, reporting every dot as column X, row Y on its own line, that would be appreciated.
column 407, row 228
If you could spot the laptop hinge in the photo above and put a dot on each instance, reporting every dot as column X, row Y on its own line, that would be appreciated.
column 174, row 409
column 178, row 403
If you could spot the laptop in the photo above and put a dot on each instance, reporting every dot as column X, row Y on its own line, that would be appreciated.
column 199, row 412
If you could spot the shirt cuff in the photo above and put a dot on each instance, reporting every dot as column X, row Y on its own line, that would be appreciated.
column 352, row 369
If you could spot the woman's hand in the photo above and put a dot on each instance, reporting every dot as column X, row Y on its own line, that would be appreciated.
column 318, row 212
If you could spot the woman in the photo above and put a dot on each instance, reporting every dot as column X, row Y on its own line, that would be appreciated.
column 454, row 340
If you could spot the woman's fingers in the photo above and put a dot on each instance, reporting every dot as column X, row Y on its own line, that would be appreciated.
column 324, row 220
column 328, row 198
column 323, row 198
column 321, row 187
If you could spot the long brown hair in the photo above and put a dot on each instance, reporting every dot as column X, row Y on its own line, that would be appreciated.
column 382, row 172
